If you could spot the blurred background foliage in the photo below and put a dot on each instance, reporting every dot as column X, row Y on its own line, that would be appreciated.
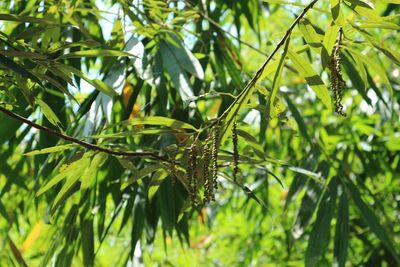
column 314, row 188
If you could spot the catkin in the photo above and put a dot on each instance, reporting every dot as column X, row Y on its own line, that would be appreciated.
column 191, row 173
column 214, row 158
column 208, row 182
column 235, row 151
column 337, row 82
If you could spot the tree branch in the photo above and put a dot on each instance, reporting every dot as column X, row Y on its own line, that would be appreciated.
column 80, row 142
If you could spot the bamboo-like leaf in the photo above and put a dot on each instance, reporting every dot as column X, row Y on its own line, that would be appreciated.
column 178, row 75
column 156, row 180
column 362, row 8
column 90, row 173
column 337, row 13
column 22, row 18
column 312, row 78
column 141, row 173
column 49, row 113
column 157, row 121
column 96, row 53
column 185, row 58
column 98, row 84
column 374, row 66
column 328, row 44
column 50, row 150
column 298, row 118
column 320, row 233
column 19, row 69
column 73, row 171
column 342, row 231
column 310, row 35
column 87, row 241
column 277, row 79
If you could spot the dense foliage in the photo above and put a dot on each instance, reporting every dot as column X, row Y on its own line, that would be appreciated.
column 199, row 133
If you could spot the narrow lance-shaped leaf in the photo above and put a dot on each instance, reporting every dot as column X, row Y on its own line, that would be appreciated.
column 337, row 13
column 96, row 53
column 310, row 35
column 49, row 113
column 320, row 233
column 310, row 75
column 19, row 69
column 178, row 75
column 157, row 121
column 277, row 78
column 328, row 44
column 50, row 150
column 342, row 231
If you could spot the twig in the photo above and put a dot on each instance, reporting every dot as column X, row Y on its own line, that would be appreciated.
column 80, row 142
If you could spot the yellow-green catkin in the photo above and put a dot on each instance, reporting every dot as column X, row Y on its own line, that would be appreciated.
column 337, row 82
column 191, row 173
column 208, row 182
column 214, row 157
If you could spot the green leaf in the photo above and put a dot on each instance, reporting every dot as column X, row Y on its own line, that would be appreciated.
column 328, row 44
column 310, row 35
column 87, row 241
column 185, row 58
column 342, row 232
column 298, row 118
column 372, row 220
column 19, row 69
column 277, row 79
column 361, row 8
column 98, row 84
column 96, row 53
column 268, row 70
column 177, row 74
column 157, row 121
column 156, row 180
column 337, row 14
column 312, row 78
column 373, row 65
column 136, row 132
column 320, row 233
column 90, row 173
column 49, row 113
column 50, row 150
column 72, row 171
column 22, row 18
column 141, row 173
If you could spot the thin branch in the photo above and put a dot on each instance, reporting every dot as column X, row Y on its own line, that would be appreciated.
column 259, row 72
column 80, row 142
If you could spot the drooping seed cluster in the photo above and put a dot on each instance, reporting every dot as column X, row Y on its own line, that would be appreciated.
column 207, row 163
column 208, row 181
column 191, row 173
column 235, row 151
column 337, row 82
column 214, row 156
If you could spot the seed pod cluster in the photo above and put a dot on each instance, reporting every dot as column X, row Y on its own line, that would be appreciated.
column 214, row 157
column 208, row 182
column 235, row 151
column 191, row 173
column 337, row 82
